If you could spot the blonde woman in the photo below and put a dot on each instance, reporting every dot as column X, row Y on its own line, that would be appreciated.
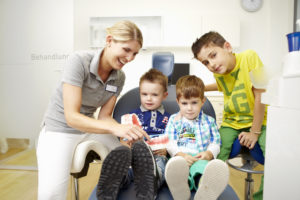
column 90, row 80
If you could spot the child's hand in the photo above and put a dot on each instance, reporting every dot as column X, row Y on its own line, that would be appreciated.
column 189, row 159
column 160, row 152
column 248, row 139
column 206, row 155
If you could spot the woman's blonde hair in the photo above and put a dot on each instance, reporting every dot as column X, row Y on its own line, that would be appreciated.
column 124, row 31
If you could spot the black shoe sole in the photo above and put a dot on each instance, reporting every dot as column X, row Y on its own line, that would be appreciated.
column 143, row 165
column 114, row 168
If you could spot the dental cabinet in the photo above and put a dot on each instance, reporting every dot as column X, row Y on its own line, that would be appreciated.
column 283, row 132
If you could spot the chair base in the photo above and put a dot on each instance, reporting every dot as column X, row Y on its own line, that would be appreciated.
column 91, row 156
column 247, row 167
column 76, row 188
column 249, row 187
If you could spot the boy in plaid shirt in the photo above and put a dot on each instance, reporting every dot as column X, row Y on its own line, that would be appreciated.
column 194, row 143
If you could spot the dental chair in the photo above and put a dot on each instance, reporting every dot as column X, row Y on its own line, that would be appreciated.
column 130, row 101
column 85, row 153
column 164, row 62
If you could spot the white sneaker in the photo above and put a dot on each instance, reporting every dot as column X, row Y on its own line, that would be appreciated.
column 176, row 174
column 213, row 181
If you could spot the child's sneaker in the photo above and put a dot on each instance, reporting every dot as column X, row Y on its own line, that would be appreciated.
column 144, row 170
column 114, row 168
column 213, row 181
column 176, row 174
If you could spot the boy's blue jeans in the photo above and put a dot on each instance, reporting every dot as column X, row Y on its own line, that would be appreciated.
column 161, row 162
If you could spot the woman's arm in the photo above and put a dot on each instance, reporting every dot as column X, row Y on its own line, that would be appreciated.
column 72, row 103
column 124, row 129
column 105, row 124
column 107, row 109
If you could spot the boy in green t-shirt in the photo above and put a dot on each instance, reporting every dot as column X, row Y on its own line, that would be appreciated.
column 244, row 116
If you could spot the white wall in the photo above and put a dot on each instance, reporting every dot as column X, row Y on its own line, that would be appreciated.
column 263, row 31
column 29, row 29
column 44, row 27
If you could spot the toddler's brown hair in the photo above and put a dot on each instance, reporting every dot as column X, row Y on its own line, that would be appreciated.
column 155, row 76
column 189, row 86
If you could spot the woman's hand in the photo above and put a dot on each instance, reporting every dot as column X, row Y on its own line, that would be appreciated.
column 130, row 132
column 125, row 142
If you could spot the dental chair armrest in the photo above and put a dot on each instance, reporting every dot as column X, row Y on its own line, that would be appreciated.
column 83, row 149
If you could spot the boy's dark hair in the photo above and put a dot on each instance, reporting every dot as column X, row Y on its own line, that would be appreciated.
column 155, row 76
column 189, row 86
column 207, row 39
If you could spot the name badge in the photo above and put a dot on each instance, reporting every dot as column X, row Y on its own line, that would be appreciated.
column 111, row 88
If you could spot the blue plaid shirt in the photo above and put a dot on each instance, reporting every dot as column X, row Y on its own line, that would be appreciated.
column 193, row 136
